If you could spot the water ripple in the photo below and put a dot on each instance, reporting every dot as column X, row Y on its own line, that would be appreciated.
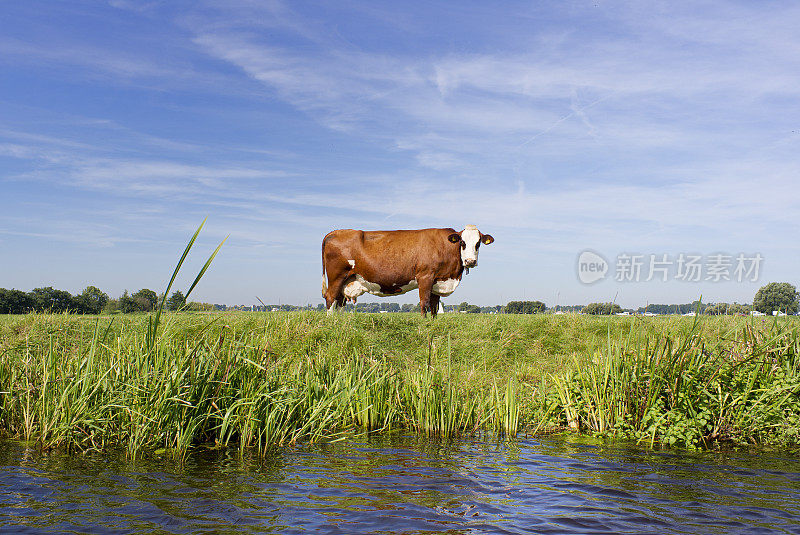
column 404, row 484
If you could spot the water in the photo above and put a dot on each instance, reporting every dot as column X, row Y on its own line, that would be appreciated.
column 404, row 484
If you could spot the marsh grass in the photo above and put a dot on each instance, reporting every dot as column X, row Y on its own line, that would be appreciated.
column 263, row 380
column 738, row 384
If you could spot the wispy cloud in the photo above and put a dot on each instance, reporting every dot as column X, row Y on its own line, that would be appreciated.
column 96, row 59
column 560, row 125
column 648, row 88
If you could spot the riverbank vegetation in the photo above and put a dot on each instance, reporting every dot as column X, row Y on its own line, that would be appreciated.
column 268, row 379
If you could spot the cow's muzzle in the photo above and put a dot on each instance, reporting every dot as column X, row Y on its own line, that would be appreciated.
column 470, row 263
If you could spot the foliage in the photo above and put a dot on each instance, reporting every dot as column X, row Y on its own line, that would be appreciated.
column 387, row 306
column 780, row 296
column 736, row 308
column 259, row 380
column 51, row 300
column 91, row 300
column 127, row 303
column 524, row 307
column 470, row 309
column 145, row 300
column 255, row 381
column 602, row 308
column 673, row 309
column 194, row 306
column 176, row 301
column 690, row 391
column 726, row 308
column 15, row 301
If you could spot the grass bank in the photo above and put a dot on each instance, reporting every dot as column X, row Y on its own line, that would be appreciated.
column 263, row 380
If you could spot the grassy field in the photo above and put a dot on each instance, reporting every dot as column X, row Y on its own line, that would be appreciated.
column 261, row 380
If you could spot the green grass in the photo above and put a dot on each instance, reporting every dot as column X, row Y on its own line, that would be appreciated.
column 262, row 380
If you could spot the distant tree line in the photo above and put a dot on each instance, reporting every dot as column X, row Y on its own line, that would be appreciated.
column 524, row 307
column 673, row 309
column 602, row 309
column 568, row 308
column 91, row 300
column 775, row 296
column 726, row 309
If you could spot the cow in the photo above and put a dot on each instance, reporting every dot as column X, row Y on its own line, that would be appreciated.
column 393, row 262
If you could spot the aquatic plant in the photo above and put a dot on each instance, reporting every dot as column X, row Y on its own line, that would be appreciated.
column 261, row 380
column 693, row 390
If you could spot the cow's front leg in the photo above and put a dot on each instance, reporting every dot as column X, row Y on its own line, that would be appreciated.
column 425, row 295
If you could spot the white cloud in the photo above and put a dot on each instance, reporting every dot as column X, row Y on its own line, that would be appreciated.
column 621, row 126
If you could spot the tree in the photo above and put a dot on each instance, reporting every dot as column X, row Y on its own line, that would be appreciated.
column 91, row 300
column 674, row 309
column 127, row 304
column 176, row 301
column 716, row 309
column 390, row 306
column 776, row 296
column 15, row 301
column 525, row 307
column 736, row 308
column 49, row 299
column 602, row 309
column 196, row 306
column 146, row 300
column 111, row 307
column 731, row 309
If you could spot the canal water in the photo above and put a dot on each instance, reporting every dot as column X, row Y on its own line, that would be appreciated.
column 404, row 484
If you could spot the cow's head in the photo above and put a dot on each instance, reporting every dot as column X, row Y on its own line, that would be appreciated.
column 470, row 240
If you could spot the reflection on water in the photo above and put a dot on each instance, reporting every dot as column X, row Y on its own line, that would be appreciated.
column 404, row 484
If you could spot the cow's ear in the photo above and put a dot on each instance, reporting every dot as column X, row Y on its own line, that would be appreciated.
column 454, row 237
column 487, row 239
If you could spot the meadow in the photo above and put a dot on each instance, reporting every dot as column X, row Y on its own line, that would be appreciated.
column 256, row 381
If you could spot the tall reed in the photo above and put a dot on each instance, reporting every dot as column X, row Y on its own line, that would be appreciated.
column 269, row 379
column 690, row 390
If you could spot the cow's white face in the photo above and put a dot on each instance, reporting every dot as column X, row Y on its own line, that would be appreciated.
column 471, row 239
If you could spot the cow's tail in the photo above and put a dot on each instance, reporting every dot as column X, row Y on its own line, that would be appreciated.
column 324, row 278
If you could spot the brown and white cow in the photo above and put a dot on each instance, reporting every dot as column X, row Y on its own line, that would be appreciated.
column 393, row 262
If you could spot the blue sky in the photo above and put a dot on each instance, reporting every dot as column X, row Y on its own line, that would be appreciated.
column 642, row 128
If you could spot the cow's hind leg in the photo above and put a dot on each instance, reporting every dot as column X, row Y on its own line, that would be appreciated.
column 334, row 295
column 335, row 305
column 434, row 304
column 425, row 295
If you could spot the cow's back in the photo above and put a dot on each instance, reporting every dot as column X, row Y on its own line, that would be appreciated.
column 432, row 241
column 390, row 256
